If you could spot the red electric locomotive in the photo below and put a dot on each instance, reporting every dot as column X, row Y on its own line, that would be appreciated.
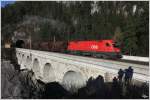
column 101, row 48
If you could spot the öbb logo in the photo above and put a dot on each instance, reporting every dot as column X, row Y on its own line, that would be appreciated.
column 94, row 47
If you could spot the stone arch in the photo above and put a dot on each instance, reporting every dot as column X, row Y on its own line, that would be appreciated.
column 22, row 55
column 73, row 80
column 18, row 57
column 48, row 73
column 28, row 61
column 36, row 68
column 17, row 54
column 22, row 60
column 20, row 44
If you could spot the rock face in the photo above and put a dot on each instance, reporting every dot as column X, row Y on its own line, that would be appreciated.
column 18, row 84
column 9, row 81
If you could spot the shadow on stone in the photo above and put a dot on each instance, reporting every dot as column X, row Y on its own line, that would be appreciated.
column 54, row 90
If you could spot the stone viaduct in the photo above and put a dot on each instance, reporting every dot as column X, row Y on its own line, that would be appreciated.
column 70, row 71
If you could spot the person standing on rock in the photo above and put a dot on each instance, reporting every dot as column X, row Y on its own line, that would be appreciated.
column 130, row 70
column 126, row 78
column 120, row 75
column 128, row 75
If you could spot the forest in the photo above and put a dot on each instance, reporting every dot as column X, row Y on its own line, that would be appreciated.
column 127, row 22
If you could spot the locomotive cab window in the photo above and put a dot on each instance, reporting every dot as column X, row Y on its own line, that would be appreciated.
column 107, row 44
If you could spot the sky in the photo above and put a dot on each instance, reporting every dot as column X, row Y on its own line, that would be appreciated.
column 4, row 2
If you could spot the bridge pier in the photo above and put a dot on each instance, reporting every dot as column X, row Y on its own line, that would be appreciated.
column 107, row 77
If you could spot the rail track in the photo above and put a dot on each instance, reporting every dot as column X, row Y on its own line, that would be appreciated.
column 120, row 60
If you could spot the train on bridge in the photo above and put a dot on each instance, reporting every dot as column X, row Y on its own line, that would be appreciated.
column 99, row 48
